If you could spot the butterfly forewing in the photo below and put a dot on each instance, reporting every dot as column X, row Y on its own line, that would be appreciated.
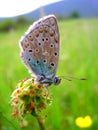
column 40, row 46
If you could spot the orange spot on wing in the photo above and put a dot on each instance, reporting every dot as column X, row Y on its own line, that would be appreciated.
column 31, row 38
column 52, row 33
column 37, row 34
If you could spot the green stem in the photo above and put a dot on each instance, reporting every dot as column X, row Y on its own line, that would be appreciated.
column 40, row 122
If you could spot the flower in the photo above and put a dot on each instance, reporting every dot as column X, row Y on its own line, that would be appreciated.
column 83, row 122
column 29, row 98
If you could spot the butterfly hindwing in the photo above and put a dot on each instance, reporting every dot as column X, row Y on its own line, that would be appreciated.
column 40, row 46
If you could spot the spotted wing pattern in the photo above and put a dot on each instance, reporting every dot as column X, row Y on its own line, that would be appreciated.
column 40, row 47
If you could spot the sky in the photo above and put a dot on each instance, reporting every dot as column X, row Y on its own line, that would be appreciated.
column 10, row 8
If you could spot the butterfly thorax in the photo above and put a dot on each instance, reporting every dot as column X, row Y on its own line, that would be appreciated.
column 46, row 81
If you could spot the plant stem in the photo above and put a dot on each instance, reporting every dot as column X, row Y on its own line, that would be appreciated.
column 40, row 122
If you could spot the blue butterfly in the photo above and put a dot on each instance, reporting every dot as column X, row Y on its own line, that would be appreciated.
column 40, row 50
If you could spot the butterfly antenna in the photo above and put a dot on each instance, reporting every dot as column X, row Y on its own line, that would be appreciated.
column 67, row 78
column 72, row 78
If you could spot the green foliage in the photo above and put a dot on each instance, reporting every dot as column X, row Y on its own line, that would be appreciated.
column 78, row 58
column 61, row 17
column 7, row 25
column 74, row 14
column 12, row 24
column 22, row 20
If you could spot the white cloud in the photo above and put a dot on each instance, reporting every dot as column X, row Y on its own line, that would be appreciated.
column 9, row 8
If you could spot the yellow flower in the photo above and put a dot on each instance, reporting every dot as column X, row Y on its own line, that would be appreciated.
column 84, row 122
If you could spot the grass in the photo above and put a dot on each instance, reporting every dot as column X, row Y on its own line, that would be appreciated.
column 78, row 58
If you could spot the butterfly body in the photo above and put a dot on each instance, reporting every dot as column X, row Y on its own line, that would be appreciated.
column 40, row 50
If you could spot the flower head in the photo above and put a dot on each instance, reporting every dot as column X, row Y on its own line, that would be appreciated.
column 29, row 98
column 83, row 122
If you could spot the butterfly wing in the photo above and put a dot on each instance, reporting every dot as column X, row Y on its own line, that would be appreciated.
column 40, row 47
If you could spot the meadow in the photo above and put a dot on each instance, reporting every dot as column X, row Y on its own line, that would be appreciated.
column 71, row 99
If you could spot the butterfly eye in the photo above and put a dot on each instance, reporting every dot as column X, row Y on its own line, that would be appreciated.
column 57, row 81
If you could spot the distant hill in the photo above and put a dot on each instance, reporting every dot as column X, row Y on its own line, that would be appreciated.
column 85, row 8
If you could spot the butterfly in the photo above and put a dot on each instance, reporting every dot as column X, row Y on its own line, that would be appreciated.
column 40, row 50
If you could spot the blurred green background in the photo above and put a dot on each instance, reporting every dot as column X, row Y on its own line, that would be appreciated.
column 71, row 99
